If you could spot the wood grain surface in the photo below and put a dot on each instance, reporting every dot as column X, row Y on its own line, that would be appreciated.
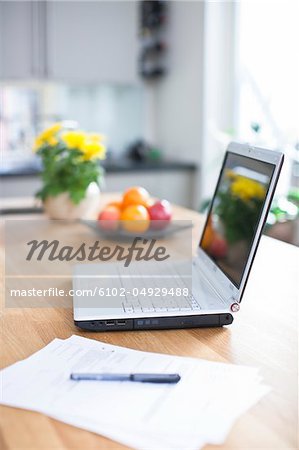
column 263, row 335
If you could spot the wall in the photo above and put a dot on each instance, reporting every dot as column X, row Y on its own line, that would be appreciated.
column 194, row 104
column 175, row 102
column 179, row 94
column 219, row 100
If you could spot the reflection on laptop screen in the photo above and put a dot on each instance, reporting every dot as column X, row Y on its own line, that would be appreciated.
column 234, row 213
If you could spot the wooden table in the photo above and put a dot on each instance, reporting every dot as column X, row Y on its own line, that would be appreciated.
column 264, row 335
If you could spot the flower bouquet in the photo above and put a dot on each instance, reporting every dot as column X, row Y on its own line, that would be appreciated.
column 71, row 171
column 238, row 206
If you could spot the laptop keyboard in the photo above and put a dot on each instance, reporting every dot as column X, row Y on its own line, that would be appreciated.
column 136, row 280
column 159, row 304
column 147, row 305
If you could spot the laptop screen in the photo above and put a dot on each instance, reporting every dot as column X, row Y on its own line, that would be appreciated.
column 234, row 213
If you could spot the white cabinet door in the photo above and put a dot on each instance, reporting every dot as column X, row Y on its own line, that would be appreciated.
column 19, row 186
column 17, row 39
column 92, row 41
column 175, row 186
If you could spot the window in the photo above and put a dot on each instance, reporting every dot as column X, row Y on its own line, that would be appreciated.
column 268, row 77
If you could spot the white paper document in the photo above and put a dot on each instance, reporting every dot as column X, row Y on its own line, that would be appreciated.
column 198, row 410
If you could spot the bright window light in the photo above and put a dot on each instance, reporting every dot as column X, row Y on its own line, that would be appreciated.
column 268, row 74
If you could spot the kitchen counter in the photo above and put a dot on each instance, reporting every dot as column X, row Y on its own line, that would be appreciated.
column 173, row 180
column 110, row 166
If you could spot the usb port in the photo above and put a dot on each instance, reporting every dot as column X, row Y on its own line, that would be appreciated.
column 121, row 322
column 109, row 323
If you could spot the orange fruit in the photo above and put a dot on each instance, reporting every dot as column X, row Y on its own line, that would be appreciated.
column 116, row 204
column 135, row 219
column 136, row 196
column 208, row 235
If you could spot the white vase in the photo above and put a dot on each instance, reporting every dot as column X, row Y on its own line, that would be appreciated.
column 62, row 207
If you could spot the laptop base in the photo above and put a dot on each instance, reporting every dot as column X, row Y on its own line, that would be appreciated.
column 156, row 323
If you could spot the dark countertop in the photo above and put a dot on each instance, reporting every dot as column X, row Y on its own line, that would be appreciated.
column 110, row 166
column 127, row 165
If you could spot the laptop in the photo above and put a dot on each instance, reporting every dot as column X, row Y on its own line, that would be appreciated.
column 219, row 271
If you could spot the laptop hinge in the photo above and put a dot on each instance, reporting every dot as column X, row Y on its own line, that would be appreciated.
column 234, row 305
column 228, row 301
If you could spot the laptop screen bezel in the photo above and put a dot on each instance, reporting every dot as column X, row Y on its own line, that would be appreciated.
column 213, row 272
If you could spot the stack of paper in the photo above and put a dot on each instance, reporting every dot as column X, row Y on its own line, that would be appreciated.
column 200, row 409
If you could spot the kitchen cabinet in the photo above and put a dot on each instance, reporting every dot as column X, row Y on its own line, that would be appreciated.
column 92, row 41
column 22, row 39
column 175, row 185
column 82, row 41
column 16, row 186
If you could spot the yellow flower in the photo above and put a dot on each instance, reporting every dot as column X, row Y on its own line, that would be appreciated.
column 74, row 139
column 246, row 189
column 90, row 144
column 229, row 173
column 53, row 129
column 48, row 136
column 52, row 141
column 37, row 143
column 93, row 149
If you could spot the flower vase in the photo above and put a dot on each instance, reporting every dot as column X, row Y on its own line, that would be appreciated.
column 62, row 207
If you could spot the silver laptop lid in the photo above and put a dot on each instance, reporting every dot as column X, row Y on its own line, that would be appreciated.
column 236, row 217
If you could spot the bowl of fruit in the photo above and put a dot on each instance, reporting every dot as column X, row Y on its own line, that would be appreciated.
column 136, row 213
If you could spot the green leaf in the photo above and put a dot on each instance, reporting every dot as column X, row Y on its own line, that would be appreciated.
column 64, row 170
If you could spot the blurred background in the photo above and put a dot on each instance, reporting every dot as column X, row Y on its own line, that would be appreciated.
column 170, row 83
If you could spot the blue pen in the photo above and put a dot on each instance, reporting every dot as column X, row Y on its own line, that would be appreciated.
column 139, row 377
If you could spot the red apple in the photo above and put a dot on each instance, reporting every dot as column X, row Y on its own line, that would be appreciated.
column 160, row 214
column 218, row 247
column 109, row 218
